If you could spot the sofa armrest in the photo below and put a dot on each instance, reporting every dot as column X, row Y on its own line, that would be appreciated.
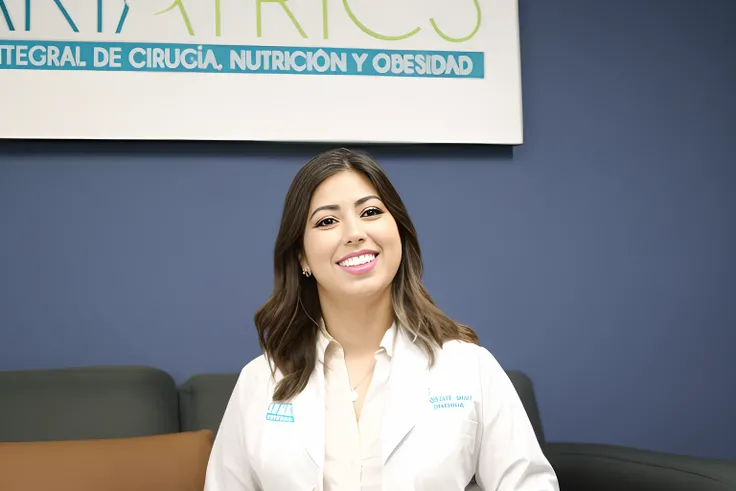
column 595, row 467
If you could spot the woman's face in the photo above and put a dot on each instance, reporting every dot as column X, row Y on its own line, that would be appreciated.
column 351, row 242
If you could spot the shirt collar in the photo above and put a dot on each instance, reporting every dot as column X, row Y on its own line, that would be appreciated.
column 388, row 342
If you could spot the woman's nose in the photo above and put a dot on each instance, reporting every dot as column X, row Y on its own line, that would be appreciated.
column 354, row 233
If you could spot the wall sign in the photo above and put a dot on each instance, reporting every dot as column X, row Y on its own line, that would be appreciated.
column 384, row 71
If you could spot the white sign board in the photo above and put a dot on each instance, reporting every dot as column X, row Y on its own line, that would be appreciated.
column 383, row 71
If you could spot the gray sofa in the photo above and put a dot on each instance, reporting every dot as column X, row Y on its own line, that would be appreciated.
column 123, row 402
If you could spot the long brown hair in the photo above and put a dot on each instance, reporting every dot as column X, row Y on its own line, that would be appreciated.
column 286, row 326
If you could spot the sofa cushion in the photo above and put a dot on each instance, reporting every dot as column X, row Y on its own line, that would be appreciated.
column 203, row 399
column 84, row 403
column 525, row 389
column 174, row 462
column 601, row 467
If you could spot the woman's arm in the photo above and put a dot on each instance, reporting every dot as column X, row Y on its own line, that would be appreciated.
column 510, row 457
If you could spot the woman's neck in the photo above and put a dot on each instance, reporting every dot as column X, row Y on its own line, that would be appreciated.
column 358, row 325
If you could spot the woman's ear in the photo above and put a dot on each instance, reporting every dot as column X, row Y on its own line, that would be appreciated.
column 306, row 271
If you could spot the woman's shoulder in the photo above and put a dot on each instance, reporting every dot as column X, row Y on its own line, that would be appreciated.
column 464, row 355
column 256, row 374
column 457, row 348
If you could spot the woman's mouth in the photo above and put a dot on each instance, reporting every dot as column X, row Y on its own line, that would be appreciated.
column 359, row 264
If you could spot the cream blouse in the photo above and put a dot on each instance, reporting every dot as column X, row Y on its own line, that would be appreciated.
column 352, row 448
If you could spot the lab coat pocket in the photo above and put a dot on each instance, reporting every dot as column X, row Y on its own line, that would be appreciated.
column 445, row 446
column 468, row 428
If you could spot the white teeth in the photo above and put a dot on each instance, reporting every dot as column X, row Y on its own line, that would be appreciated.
column 358, row 260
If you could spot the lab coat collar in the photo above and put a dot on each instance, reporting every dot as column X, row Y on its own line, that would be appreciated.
column 407, row 391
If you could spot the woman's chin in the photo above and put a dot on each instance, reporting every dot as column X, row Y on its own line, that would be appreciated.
column 366, row 288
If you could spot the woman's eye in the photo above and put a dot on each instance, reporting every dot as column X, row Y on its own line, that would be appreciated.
column 326, row 222
column 371, row 212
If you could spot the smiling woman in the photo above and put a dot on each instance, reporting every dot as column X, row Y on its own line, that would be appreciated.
column 370, row 371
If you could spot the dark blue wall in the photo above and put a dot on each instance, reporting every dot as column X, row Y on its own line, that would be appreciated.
column 599, row 257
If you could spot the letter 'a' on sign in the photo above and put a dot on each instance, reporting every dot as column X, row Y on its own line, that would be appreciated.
column 422, row 71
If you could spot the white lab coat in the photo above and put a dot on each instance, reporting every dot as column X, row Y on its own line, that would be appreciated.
column 444, row 425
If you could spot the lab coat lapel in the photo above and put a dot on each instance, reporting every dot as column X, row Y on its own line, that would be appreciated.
column 407, row 392
column 309, row 417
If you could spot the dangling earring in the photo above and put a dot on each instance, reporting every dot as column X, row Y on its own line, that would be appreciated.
column 306, row 273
